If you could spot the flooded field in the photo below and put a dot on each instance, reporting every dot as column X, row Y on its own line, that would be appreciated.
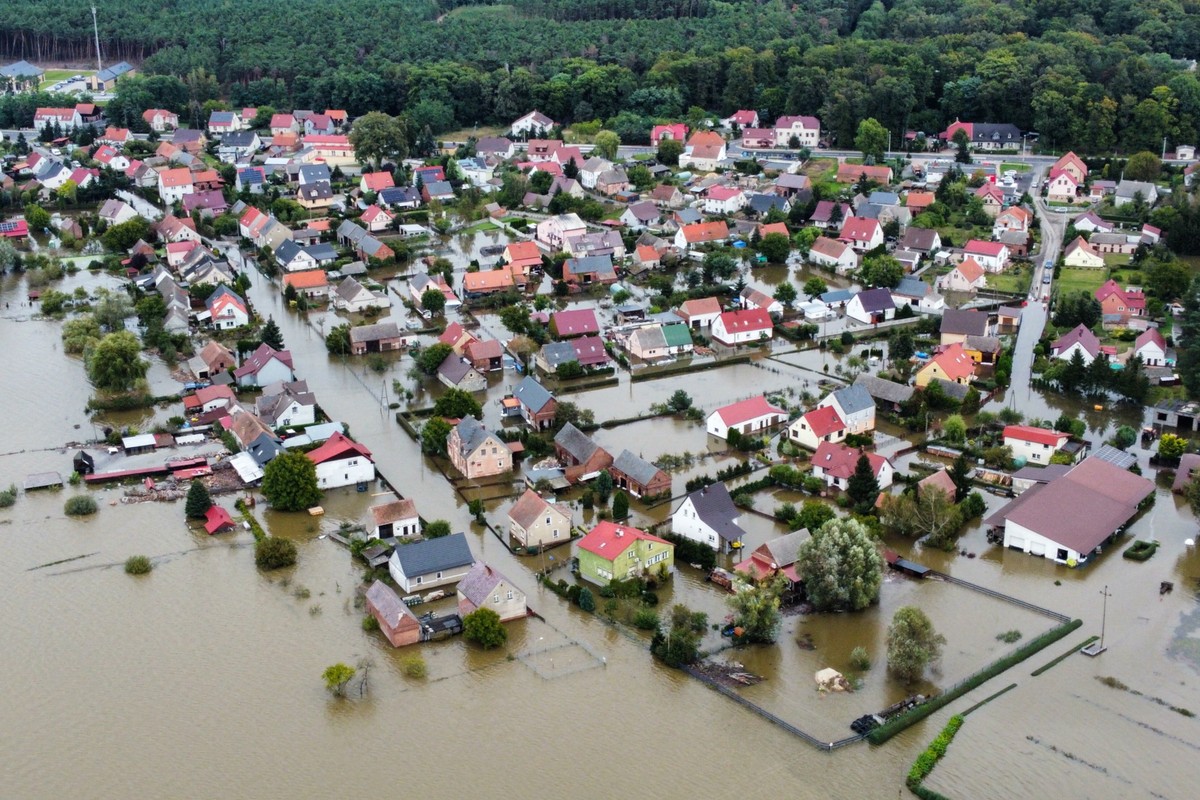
column 203, row 678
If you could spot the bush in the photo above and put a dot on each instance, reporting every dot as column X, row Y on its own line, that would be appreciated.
column 274, row 553
column 137, row 565
column 1140, row 550
column 937, row 748
column 1009, row 637
column 369, row 623
column 80, row 506
column 650, row 598
column 414, row 667
column 860, row 659
column 586, row 601
column 645, row 619
column 484, row 627
column 8, row 496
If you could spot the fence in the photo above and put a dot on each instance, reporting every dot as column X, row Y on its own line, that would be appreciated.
column 1054, row 615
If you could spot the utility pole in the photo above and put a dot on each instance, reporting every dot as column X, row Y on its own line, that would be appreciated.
column 1104, row 614
column 96, row 32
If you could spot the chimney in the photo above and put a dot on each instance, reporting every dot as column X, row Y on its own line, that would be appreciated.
column 620, row 532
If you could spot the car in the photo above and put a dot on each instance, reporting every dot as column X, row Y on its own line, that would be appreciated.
column 1046, row 277
column 54, row 151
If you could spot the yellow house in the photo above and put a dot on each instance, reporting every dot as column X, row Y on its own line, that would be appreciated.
column 952, row 364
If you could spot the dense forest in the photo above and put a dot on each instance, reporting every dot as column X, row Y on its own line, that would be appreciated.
column 1095, row 75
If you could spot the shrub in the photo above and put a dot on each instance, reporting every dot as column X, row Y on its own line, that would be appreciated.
column 274, row 553
column 80, row 506
column 137, row 565
column 860, row 659
column 650, row 598
column 484, row 627
column 586, row 601
column 8, row 496
column 369, row 623
column 1008, row 637
column 414, row 667
column 937, row 748
column 645, row 619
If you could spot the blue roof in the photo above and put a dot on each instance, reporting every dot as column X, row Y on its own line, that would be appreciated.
column 224, row 117
column 115, row 71
column 911, row 287
column 884, row 198
column 434, row 555
column 837, row 296
column 853, row 399
column 532, row 394
column 21, row 69
column 251, row 175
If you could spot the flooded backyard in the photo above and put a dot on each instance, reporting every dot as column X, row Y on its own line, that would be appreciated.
column 204, row 677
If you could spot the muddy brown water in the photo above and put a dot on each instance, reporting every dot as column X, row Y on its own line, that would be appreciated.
column 203, row 678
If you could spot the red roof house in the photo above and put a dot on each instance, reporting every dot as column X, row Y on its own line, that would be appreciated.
column 217, row 519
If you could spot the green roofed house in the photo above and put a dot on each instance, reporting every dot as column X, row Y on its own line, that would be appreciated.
column 617, row 552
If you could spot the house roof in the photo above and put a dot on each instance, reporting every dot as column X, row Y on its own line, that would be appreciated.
column 377, row 181
column 394, row 511
column 981, row 344
column 987, row 249
column 471, row 434
column 530, row 506
column 970, row 270
column 260, row 358
column 1081, row 243
column 839, row 460
column 883, row 389
column 829, row 247
column 636, row 467
column 923, row 239
column 174, row 178
column 337, row 447
column 1028, row 433
column 715, row 508
column 308, row 279
column 608, row 540
column 576, row 443
column 532, row 394
column 1081, row 334
column 963, row 322
column 555, row 353
column 853, row 399
column 455, row 368
column 938, row 480
column 375, row 332
column 746, row 410
column 389, row 605
column 860, row 229
column 575, row 322
column 700, row 307
column 911, row 287
column 217, row 519
column 487, row 280
column 747, row 319
column 477, row 585
column 954, row 362
column 722, row 193
column 589, row 350
column 824, row 421
column 877, row 299
column 705, row 232
column 1150, row 336
column 484, row 349
column 434, row 555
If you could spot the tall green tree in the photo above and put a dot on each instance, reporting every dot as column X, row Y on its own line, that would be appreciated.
column 457, row 404
column 606, row 143
column 271, row 335
column 290, row 482
column 430, row 358
column 115, row 363
column 862, row 488
column 198, row 501
column 336, row 676
column 433, row 437
column 756, row 608
column 377, row 137
column 841, row 567
column 483, row 627
column 871, row 139
column 912, row 643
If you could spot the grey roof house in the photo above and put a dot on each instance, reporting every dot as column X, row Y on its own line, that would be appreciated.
column 431, row 563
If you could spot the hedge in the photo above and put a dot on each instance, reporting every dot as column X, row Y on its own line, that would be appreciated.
column 933, row 753
column 1064, row 656
column 907, row 719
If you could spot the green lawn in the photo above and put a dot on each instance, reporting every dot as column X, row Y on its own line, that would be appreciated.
column 1116, row 260
column 53, row 76
column 482, row 225
column 1004, row 167
column 1013, row 280
column 1075, row 280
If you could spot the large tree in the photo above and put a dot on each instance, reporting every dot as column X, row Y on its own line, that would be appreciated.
column 840, row 566
column 433, row 437
column 433, row 301
column 912, row 643
column 290, row 482
column 775, row 246
column 607, row 143
column 115, row 364
column 863, row 487
column 756, row 608
column 456, row 403
column 430, row 358
column 1143, row 166
column 483, row 627
column 377, row 137
column 198, row 501
column 271, row 335
column 871, row 139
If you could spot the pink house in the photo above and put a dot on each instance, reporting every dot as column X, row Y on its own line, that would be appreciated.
column 677, row 131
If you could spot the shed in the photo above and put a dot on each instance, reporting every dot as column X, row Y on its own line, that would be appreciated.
column 217, row 519
column 896, row 562
column 42, row 480
column 133, row 445
column 83, row 463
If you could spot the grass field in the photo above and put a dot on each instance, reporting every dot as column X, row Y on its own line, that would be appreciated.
column 1116, row 260
column 482, row 225
column 1013, row 280
column 1004, row 167
column 820, row 169
column 463, row 134
column 1075, row 280
column 53, row 76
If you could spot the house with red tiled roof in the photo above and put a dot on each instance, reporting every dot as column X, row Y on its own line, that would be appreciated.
column 111, row 158
column 967, row 276
column 173, row 184
column 699, row 313
column 833, row 254
column 1013, row 219
column 1063, row 186
column 377, row 219
column 1119, row 305
column 822, row 424
column 743, row 326
column 805, row 131
column 992, row 198
column 676, row 130
column 341, row 461
column 758, row 138
column 704, row 151
column 159, row 119
column 312, row 283
column 523, row 255
column 574, row 322
column 1072, row 165
column 835, row 463
column 1035, row 445
column 747, row 417
column 724, row 200
column 825, row 216
column 1080, row 253
column 487, row 281
column 951, row 363
column 992, row 256
column 375, row 182
column 916, row 202
column 1151, row 347
column 264, row 366
column 861, row 233
column 743, row 118
column 611, row 552
column 699, row 233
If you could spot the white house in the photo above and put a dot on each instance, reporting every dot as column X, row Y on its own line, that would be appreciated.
column 431, row 563
column 835, row 463
column 709, row 517
column 1080, row 253
column 966, row 276
column 341, row 461
column 854, row 405
column 1151, row 347
column 724, row 200
column 592, row 169
column 352, row 296
column 554, row 231
column 484, row 587
column 1080, row 339
column 861, row 233
column 532, row 125
column 173, row 184
column 992, row 256
column 806, row 129
column 747, row 417
column 739, row 327
column 871, row 306
column 398, row 518
column 831, row 253
column 283, row 405
column 264, row 366
column 822, row 424
column 226, row 310
column 1035, row 445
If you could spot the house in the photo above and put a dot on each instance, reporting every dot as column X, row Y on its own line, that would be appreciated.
column 704, row 152
column 982, row 349
column 701, row 313
column 822, row 424
column 283, row 405
column 397, row 623
column 757, row 138
column 457, row 337
column 238, row 146
column 1151, row 348
column 114, row 212
column 538, row 406
column 580, row 456
column 952, row 364
column 699, row 233
column 1063, row 187
column 835, row 464
column 335, row 149
column 294, row 258
column 208, row 203
column 574, row 322
column 666, row 196
column 221, row 123
column 216, row 358
column 65, row 118
column 652, row 342
column 797, row 132
column 854, row 406
column 1079, row 339
column 227, row 310
column 111, row 158
column 351, row 296
column 485, row 355
column 431, row 563
column 485, row 282
column 745, row 325
column 442, row 191
column 1103, row 497
column 602, row 243
column 887, row 395
column 992, row 256
column 925, row 241
column 1129, row 191
column 580, row 272
column 709, row 517
column 741, row 119
column 861, row 233
column 748, row 417
column 775, row 557
column 217, row 520
column 645, row 257
column 589, row 351
column 312, row 283
column 641, row 215
column 754, row 299
column 251, row 179
column 853, row 173
column 420, row 283
column 1091, row 222
column 613, row 181
column 833, row 254
column 316, row 195
column 916, row 201
column 986, row 135
column 106, row 79
column 265, row 365
column 724, row 200
column 209, row 398
column 341, row 461
column 1121, row 304
column 20, row 76
column 476, row 452
column 967, row 276
column 1080, row 253
column 992, row 198
column 1121, row 243
column 871, row 306
column 1035, row 445
column 957, row 324
column 456, row 372
column 614, row 552
column 321, row 124
column 537, row 523
column 499, row 147
column 638, row 477
column 375, row 182
column 676, row 131
column 173, row 184
column 380, row 337
column 1013, row 219
column 531, row 126
column 484, row 587
column 554, row 231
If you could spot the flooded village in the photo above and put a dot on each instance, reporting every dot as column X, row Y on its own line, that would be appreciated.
column 588, row 426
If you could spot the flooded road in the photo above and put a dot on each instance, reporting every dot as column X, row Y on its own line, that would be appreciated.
column 203, row 678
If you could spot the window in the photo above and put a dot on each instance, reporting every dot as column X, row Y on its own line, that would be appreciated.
column 510, row 594
column 547, row 520
column 555, row 534
column 439, row 576
column 495, row 598
column 419, row 580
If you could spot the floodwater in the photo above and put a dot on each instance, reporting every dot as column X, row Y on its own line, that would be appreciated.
column 203, row 678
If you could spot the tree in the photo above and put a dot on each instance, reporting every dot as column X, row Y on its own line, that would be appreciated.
column 271, row 335
column 115, row 363
column 433, row 301
column 900, row 345
column 587, row 601
column 68, row 191
column 680, row 644
column 483, row 627
column 971, row 401
column 785, row 293
column 775, row 246
column 603, row 486
column 871, row 139
column 113, row 308
column 962, row 145
column 120, row 238
column 813, row 514
column 9, row 257
column 80, row 333
column 912, row 643
column 607, row 143
column 1125, row 437
column 929, row 515
column 960, row 473
column 1143, row 166
column 290, row 482
column 457, row 404
column 433, row 437
column 273, row 552
column 430, row 358
column 1171, row 447
column 841, row 567
column 679, row 401
column 863, row 487
column 336, row 677
column 954, row 429
column 669, row 151
column 337, row 341
column 198, row 501
column 37, row 217
column 815, row 287
column 376, row 136
column 881, row 270
column 620, row 506
column 437, row 529
column 756, row 608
